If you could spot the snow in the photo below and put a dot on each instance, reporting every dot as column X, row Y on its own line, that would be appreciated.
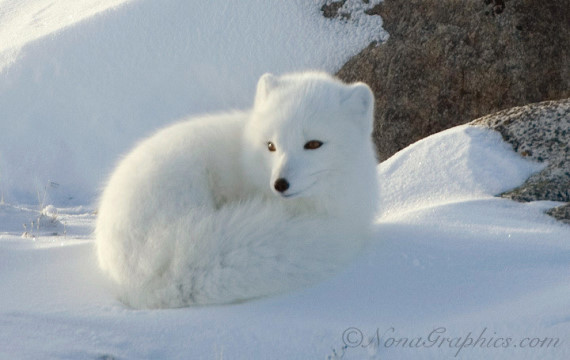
column 417, row 185
column 75, row 98
column 472, row 275
column 25, row 21
column 449, row 260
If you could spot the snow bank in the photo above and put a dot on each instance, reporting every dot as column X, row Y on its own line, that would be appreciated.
column 26, row 21
column 73, row 101
column 477, row 162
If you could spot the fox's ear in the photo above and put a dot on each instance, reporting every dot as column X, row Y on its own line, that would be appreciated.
column 267, row 82
column 358, row 100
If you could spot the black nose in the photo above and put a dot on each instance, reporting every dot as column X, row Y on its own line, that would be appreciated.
column 281, row 185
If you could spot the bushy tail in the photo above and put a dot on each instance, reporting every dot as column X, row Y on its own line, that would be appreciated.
column 244, row 250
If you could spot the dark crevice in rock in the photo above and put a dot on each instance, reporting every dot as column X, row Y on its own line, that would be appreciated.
column 376, row 10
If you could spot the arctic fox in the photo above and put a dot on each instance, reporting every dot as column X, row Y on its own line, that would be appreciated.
column 226, row 208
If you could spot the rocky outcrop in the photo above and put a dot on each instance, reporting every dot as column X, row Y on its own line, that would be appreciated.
column 540, row 132
column 448, row 62
column 561, row 213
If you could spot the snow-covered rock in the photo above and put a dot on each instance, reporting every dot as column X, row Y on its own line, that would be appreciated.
column 540, row 132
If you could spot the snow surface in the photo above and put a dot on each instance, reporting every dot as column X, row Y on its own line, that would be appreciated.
column 450, row 260
column 449, row 257
column 25, row 21
column 74, row 99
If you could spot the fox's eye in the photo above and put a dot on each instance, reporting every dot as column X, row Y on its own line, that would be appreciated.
column 313, row 144
column 270, row 146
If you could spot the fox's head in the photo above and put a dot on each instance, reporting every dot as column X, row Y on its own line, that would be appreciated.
column 306, row 132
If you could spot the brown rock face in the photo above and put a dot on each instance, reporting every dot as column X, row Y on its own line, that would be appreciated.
column 448, row 62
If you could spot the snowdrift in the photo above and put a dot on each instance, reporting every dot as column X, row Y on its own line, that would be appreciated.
column 74, row 100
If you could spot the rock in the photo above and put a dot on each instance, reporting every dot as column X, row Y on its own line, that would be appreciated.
column 448, row 62
column 561, row 213
column 540, row 132
column 331, row 10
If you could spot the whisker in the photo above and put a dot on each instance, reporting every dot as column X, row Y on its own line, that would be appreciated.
column 323, row 171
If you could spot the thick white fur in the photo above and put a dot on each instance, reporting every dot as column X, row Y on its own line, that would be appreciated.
column 191, row 216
